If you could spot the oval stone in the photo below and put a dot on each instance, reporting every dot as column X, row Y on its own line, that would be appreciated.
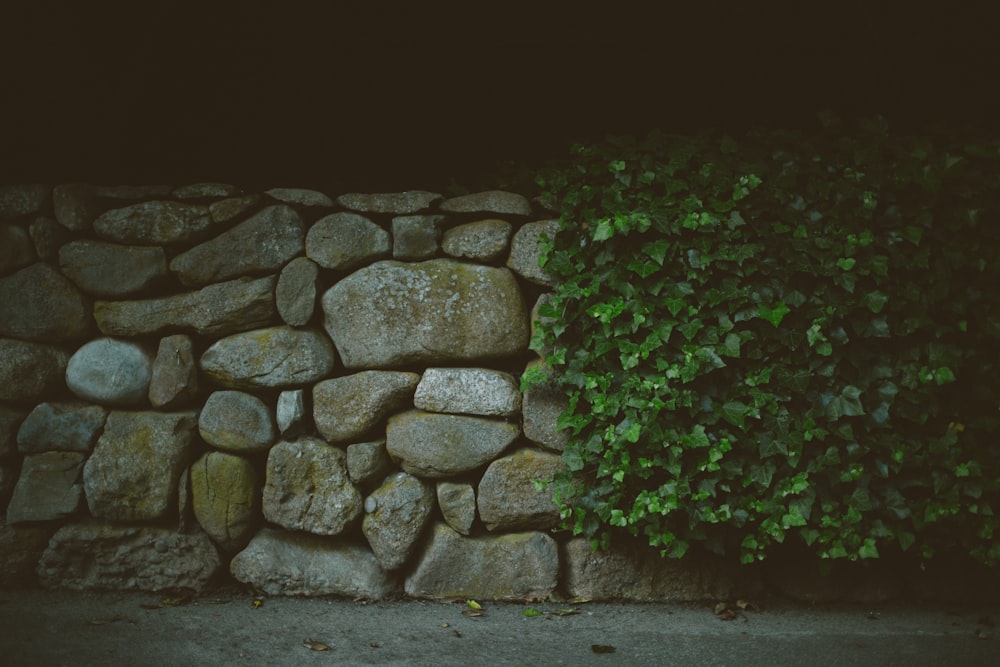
column 276, row 357
column 110, row 371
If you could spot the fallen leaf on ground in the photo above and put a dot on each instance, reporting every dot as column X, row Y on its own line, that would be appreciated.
column 257, row 602
column 602, row 648
column 578, row 600
column 314, row 645
column 531, row 612
column 565, row 612
column 472, row 612
column 473, row 604
column 746, row 605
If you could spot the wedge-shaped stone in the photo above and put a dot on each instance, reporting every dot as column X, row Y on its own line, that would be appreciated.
column 104, row 556
column 277, row 357
column 308, row 488
column 436, row 445
column 175, row 374
column 515, row 566
column 508, row 497
column 134, row 470
column 295, row 294
column 262, row 244
column 154, row 223
column 225, row 497
column 61, row 426
column 216, row 310
column 39, row 303
column 391, row 314
column 457, row 501
column 280, row 563
column 29, row 370
column 48, row 488
column 348, row 407
column 473, row 391
column 343, row 241
column 397, row 513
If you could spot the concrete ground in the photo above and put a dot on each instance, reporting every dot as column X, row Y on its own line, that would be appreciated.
column 39, row 627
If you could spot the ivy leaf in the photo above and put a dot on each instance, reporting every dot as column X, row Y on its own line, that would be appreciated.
column 604, row 231
column 773, row 314
column 846, row 263
column 735, row 413
column 876, row 301
column 656, row 250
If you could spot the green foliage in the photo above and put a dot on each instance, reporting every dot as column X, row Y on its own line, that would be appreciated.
column 782, row 337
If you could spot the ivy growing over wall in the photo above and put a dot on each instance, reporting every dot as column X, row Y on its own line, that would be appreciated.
column 783, row 337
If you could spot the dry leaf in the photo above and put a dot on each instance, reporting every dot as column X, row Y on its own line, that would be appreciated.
column 257, row 602
column 746, row 605
column 721, row 607
column 578, row 600
column 727, row 615
column 565, row 612
column 314, row 645
column 472, row 612
column 446, row 625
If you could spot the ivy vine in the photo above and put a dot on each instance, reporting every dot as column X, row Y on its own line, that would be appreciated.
column 785, row 336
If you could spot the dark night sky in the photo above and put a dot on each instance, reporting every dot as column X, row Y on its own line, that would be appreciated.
column 381, row 96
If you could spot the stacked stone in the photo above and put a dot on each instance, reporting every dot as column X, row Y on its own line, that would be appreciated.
column 318, row 395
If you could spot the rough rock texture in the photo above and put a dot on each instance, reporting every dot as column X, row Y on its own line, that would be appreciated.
column 21, row 547
column 237, row 422
column 480, row 241
column 280, row 563
column 397, row 512
column 61, row 426
column 174, row 382
column 225, row 494
column 525, row 250
column 540, row 410
column 16, row 248
column 508, row 499
column 10, row 421
column 261, row 244
column 348, row 407
column 112, row 270
column 133, row 473
column 411, row 201
column 391, row 313
column 133, row 191
column 217, row 310
column 29, row 370
column 344, row 241
column 75, row 205
column 543, row 300
column 473, row 391
column 493, row 201
column 416, row 237
column 641, row 575
column 299, row 196
column 205, row 191
column 367, row 462
column 515, row 566
column 225, row 210
column 39, row 303
column 295, row 294
column 275, row 357
column 290, row 413
column 458, row 505
column 18, row 200
column 48, row 488
column 103, row 556
column 154, row 223
column 109, row 371
column 308, row 488
column 435, row 445
column 47, row 235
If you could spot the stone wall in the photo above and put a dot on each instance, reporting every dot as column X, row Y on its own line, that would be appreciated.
column 312, row 395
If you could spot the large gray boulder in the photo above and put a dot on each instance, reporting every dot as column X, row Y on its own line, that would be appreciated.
column 473, row 391
column 392, row 314
column 18, row 200
column 237, row 422
column 641, row 575
column 515, row 566
column 498, row 202
column 112, row 270
column 280, row 563
column 225, row 498
column 174, row 382
column 349, row 407
column 411, row 201
column 481, row 241
column 110, row 371
column 308, row 488
column 105, row 556
column 61, row 426
column 343, row 241
column 397, row 512
column 261, row 244
column 48, row 488
column 276, row 357
column 295, row 294
column 39, row 303
column 155, row 223
column 508, row 498
column 29, row 370
column 217, row 310
column 16, row 248
column 437, row 446
column 134, row 470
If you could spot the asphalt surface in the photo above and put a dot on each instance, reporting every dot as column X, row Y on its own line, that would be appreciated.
column 39, row 627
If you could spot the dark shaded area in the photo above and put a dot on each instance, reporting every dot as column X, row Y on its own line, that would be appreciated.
column 378, row 96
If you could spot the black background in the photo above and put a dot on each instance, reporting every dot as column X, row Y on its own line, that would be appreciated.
column 382, row 96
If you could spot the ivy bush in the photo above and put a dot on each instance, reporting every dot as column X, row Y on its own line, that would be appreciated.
column 786, row 337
